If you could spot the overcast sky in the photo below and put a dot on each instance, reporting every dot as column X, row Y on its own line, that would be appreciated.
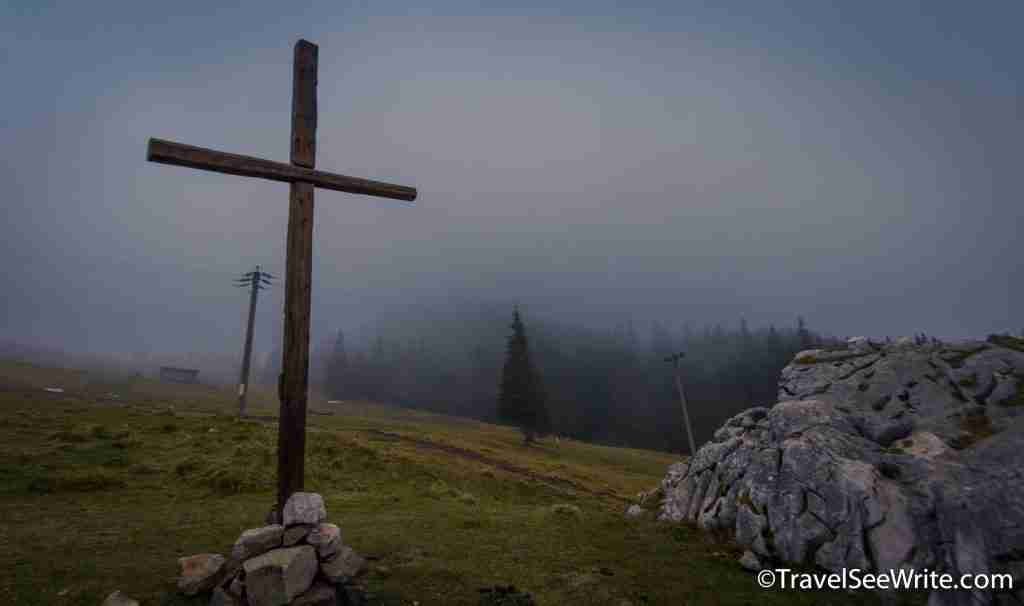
column 859, row 164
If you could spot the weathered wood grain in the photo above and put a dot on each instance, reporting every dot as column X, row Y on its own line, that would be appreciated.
column 304, row 80
column 179, row 154
column 291, row 437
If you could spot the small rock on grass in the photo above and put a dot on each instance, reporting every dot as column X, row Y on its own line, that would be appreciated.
column 505, row 596
column 353, row 595
column 346, row 565
column 236, row 588
column 320, row 594
column 199, row 573
column 566, row 509
column 750, row 561
column 220, row 597
column 119, row 599
column 634, row 511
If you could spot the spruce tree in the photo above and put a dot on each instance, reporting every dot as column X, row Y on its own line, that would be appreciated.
column 802, row 334
column 337, row 368
column 521, row 397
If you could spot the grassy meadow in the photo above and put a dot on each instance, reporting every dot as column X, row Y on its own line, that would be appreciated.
column 103, row 486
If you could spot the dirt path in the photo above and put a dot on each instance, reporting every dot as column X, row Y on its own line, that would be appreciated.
column 555, row 482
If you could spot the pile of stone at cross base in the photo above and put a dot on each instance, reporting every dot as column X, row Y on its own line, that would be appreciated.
column 301, row 562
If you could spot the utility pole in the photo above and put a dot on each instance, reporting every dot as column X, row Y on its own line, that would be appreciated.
column 256, row 281
column 675, row 358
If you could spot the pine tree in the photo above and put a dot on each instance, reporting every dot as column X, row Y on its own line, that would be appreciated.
column 521, row 397
column 337, row 367
column 804, row 335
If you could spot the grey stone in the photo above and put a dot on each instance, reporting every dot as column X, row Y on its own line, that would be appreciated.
column 278, row 576
column 860, row 344
column 750, row 561
column 256, row 541
column 354, row 596
column 201, row 572
column 320, row 594
column 118, row 598
column 304, row 508
column 344, row 566
column 326, row 539
column 296, row 534
column 875, row 457
column 222, row 597
column 237, row 587
column 634, row 511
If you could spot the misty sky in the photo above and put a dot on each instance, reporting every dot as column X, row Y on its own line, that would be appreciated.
column 859, row 165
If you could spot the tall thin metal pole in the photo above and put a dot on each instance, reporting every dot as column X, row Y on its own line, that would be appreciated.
column 682, row 398
column 243, row 382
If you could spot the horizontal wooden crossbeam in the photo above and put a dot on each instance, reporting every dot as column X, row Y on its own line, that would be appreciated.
column 179, row 154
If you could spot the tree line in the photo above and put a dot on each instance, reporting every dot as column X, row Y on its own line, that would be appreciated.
column 610, row 386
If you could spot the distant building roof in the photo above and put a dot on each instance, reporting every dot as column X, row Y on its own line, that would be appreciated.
column 180, row 375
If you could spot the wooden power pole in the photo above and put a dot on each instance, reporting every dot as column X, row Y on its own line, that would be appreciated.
column 256, row 280
column 675, row 358
column 302, row 176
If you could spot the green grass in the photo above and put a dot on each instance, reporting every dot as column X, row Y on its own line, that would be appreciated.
column 98, row 494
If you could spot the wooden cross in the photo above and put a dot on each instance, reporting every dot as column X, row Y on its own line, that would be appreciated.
column 303, row 178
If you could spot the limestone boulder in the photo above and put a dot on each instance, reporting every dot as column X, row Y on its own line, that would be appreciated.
column 749, row 561
column 875, row 457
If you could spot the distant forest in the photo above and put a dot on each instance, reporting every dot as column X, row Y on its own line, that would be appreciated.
column 612, row 387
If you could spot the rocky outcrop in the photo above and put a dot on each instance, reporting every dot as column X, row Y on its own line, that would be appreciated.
column 300, row 563
column 877, row 457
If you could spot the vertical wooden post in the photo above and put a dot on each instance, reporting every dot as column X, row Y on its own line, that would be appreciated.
column 686, row 414
column 243, row 381
column 291, row 437
column 674, row 359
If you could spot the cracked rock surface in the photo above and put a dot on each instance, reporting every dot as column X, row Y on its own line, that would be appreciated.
column 877, row 457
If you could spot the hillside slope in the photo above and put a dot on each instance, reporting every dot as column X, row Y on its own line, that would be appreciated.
column 103, row 486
